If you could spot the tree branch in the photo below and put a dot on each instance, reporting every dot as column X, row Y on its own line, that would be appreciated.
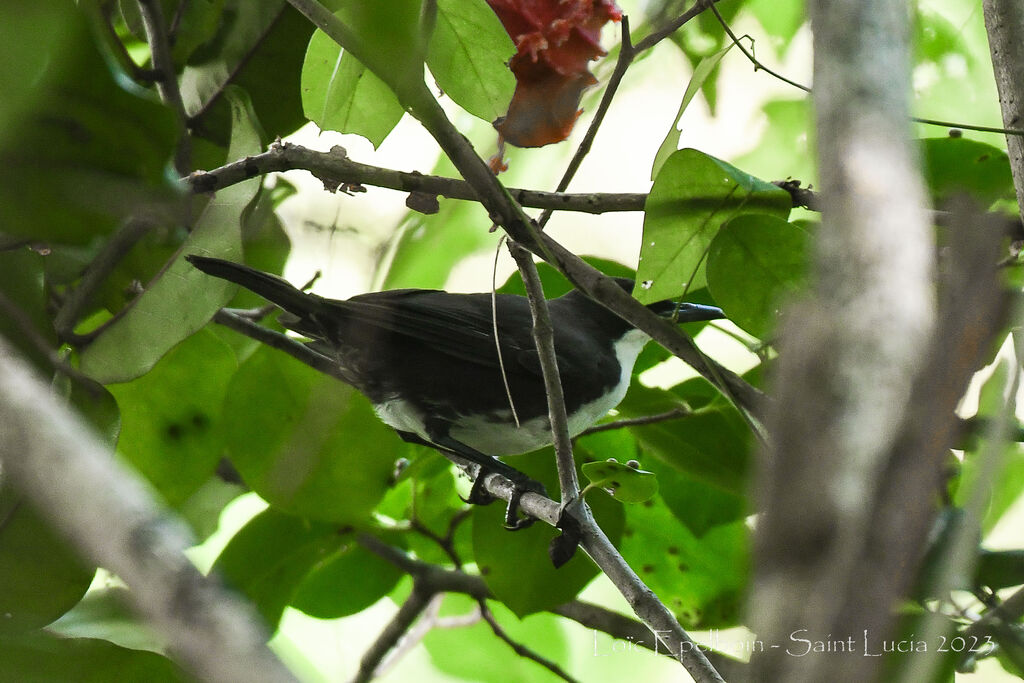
column 167, row 77
column 109, row 514
column 335, row 169
column 1004, row 22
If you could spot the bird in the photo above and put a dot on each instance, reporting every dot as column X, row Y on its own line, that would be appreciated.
column 428, row 362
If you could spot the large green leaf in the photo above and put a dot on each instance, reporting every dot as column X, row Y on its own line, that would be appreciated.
column 305, row 442
column 41, row 575
column 339, row 93
column 270, row 557
column 754, row 262
column 79, row 152
column 36, row 37
column 41, row 657
column 468, row 55
column 345, row 582
column 170, row 417
column 958, row 165
column 711, row 444
column 701, row 580
column 259, row 46
column 693, row 195
column 181, row 299
column 516, row 565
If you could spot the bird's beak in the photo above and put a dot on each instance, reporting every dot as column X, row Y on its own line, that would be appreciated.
column 684, row 312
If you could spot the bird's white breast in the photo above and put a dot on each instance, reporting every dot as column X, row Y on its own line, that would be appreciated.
column 495, row 433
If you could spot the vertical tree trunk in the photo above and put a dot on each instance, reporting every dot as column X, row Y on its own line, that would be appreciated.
column 849, row 354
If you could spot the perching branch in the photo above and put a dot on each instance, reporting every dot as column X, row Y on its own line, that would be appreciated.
column 335, row 169
column 109, row 514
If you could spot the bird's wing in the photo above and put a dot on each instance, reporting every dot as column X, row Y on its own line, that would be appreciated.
column 460, row 327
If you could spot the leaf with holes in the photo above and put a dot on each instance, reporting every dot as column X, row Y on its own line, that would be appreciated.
column 622, row 482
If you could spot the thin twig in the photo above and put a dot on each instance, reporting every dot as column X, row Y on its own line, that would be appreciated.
column 418, row 600
column 519, row 648
column 544, row 341
column 297, row 350
column 673, row 414
column 95, row 275
column 626, row 55
column 167, row 82
column 43, row 345
column 760, row 66
column 588, row 615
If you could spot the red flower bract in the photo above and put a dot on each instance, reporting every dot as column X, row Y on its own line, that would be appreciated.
column 555, row 40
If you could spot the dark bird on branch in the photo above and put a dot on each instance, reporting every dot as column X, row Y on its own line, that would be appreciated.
column 429, row 364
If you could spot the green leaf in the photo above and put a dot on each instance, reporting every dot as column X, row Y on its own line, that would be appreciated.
column 259, row 47
column 754, row 262
column 21, row 283
column 339, row 93
column 959, row 165
column 515, row 565
column 305, row 442
column 702, row 580
column 105, row 613
column 624, row 483
column 170, row 417
column 711, row 444
column 693, row 195
column 473, row 653
column 387, row 39
column 345, row 582
column 700, row 74
column 40, row 657
column 1003, row 487
column 79, row 152
column 37, row 37
column 41, row 575
column 181, row 299
column 271, row 555
column 468, row 55
column 780, row 20
column 999, row 569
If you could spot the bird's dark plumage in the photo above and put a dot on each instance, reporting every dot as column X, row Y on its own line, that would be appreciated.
column 427, row 359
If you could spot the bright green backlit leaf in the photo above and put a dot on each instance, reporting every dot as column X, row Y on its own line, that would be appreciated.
column 702, row 580
column 693, row 195
column 624, row 483
column 268, row 558
column 960, row 165
column 181, row 299
column 339, row 93
column 469, row 53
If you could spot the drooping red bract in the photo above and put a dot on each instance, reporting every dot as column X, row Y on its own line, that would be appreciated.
column 555, row 40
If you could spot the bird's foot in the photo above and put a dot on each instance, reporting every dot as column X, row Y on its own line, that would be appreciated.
column 478, row 495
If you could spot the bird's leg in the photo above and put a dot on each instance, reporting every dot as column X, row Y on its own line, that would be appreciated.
column 478, row 495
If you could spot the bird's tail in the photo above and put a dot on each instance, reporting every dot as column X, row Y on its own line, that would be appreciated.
column 272, row 288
